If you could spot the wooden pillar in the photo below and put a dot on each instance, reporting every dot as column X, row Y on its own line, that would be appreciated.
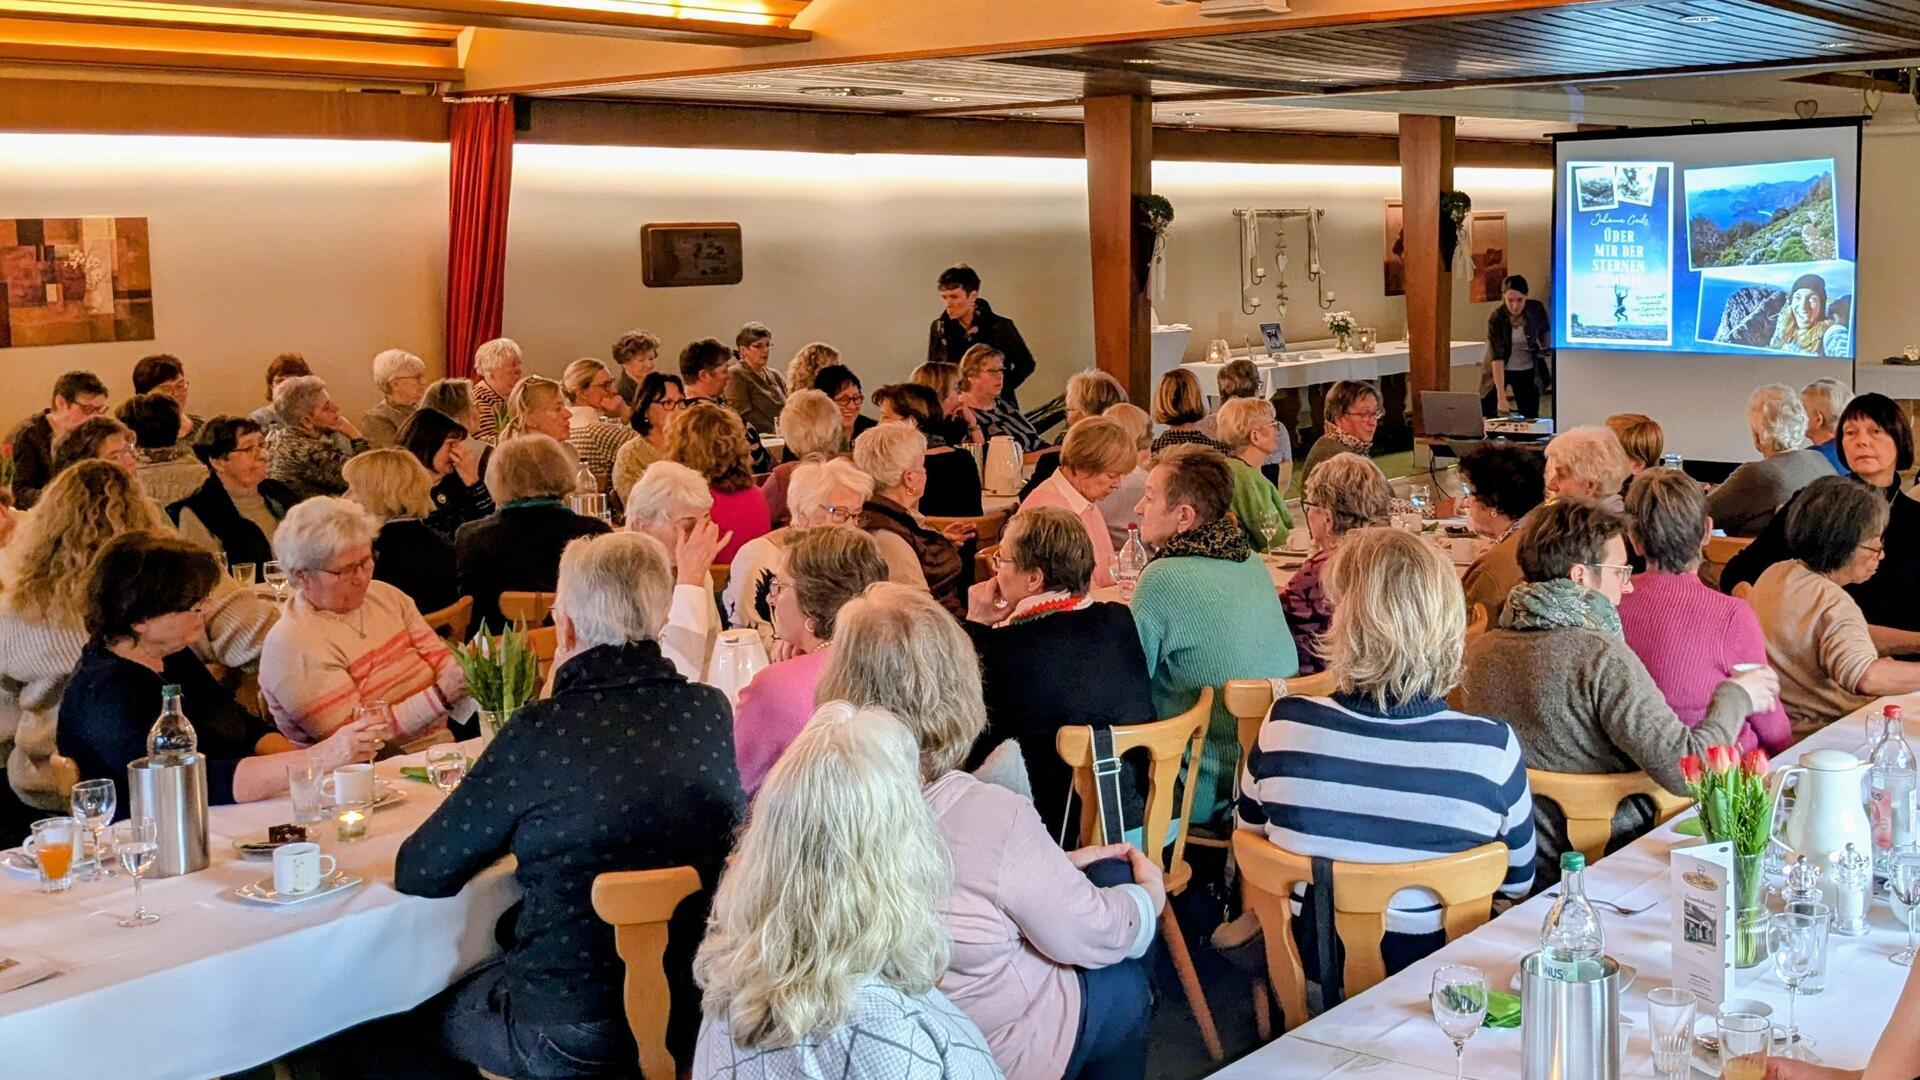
column 1426, row 169
column 1119, row 133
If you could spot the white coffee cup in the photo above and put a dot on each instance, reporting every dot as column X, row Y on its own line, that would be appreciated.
column 300, row 868
column 350, row 784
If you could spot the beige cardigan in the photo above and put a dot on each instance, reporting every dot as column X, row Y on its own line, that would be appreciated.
column 1817, row 640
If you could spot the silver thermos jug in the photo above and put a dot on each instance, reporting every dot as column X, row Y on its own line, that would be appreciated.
column 172, row 790
column 1570, row 1030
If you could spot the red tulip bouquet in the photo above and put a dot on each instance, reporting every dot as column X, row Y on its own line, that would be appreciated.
column 1735, row 807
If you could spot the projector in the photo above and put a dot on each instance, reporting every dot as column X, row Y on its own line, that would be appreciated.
column 1517, row 425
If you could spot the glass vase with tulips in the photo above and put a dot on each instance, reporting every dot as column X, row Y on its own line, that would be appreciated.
column 1731, row 794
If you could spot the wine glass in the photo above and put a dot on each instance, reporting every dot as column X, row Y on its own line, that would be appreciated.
column 273, row 575
column 446, row 767
column 93, row 803
column 138, row 843
column 1268, row 529
column 1903, row 882
column 1459, row 1007
column 1798, row 941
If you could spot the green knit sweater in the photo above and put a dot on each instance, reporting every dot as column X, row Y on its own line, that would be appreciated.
column 1257, row 503
column 1203, row 621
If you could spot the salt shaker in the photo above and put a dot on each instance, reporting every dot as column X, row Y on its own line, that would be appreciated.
column 1803, row 883
column 1853, row 891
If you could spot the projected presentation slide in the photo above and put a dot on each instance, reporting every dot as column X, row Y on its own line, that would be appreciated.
column 1709, row 241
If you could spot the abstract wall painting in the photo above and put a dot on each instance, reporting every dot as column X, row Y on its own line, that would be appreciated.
column 74, row 281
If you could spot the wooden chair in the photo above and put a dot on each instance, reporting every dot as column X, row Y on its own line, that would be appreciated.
column 983, row 562
column 545, row 643
column 1477, row 620
column 531, row 608
column 450, row 622
column 986, row 527
column 1589, row 799
column 638, row 904
column 1719, row 550
column 1465, row 884
column 720, row 573
column 1168, row 743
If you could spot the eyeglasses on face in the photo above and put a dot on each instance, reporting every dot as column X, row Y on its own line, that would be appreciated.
column 359, row 566
column 837, row 514
column 854, row 398
column 1624, row 571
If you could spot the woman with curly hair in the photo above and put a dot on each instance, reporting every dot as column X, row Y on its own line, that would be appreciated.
column 712, row 441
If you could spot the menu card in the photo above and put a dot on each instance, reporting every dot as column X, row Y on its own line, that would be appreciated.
column 1703, row 920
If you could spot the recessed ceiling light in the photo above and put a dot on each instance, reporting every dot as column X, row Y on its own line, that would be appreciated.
column 1836, row 45
column 753, row 86
column 1316, row 79
column 1699, row 20
column 828, row 91
column 1186, row 114
column 1143, row 61
column 946, row 97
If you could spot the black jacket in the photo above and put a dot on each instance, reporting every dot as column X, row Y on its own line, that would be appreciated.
column 953, row 484
column 948, row 341
column 1886, row 597
column 1500, row 342
column 412, row 556
column 626, row 767
column 456, row 502
column 241, row 539
column 516, row 549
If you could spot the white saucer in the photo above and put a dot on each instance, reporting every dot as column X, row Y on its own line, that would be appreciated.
column 384, row 795
column 261, row 892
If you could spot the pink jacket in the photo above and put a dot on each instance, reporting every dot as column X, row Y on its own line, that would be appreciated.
column 1689, row 637
column 1056, row 492
column 772, row 710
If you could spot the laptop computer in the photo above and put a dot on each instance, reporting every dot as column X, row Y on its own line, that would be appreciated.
column 1451, row 415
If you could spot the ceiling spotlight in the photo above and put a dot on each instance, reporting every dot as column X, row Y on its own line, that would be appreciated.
column 1186, row 115
column 753, row 86
column 827, row 91
column 1143, row 61
column 1700, row 20
column 1836, row 45
column 946, row 97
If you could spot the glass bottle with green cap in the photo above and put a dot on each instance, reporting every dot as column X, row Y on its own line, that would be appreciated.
column 171, row 737
column 1571, row 940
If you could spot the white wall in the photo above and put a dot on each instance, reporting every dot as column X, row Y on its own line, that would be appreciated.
column 331, row 249
column 1889, row 235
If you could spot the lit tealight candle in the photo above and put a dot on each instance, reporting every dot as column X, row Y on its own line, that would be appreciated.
column 353, row 825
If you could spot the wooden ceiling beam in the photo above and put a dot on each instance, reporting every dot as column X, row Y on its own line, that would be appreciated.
column 247, row 63
column 557, row 18
column 91, row 107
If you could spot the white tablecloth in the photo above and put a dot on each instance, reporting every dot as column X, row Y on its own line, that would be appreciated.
column 1392, row 1021
column 1311, row 367
column 219, row 984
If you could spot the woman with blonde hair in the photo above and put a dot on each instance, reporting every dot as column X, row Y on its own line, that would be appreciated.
column 1179, row 403
column 712, row 441
column 983, row 377
column 538, row 406
column 1095, row 457
column 943, row 379
column 43, row 612
column 408, row 553
column 1347, row 493
column 1641, row 437
column 825, row 946
column 1048, row 964
column 810, row 424
column 1118, row 508
column 597, row 427
column 1382, row 770
column 1251, row 433
column 812, row 356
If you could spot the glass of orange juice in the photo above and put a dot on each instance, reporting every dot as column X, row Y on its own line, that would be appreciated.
column 54, row 840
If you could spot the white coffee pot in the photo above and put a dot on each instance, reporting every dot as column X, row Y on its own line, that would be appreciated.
column 1827, row 811
column 1003, row 466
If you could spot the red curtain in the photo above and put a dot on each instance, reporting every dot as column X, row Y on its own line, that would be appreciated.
column 481, row 178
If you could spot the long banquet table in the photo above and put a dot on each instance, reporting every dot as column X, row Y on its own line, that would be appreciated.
column 219, row 984
column 1314, row 363
column 1389, row 1030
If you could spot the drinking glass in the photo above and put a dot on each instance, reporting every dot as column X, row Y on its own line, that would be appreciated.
column 93, row 803
column 1459, row 1007
column 245, row 574
column 1670, row 1013
column 303, row 788
column 1743, row 1045
column 1267, row 531
column 220, row 557
column 1903, row 883
column 446, row 767
column 1798, row 941
column 380, row 713
column 1420, row 496
column 137, row 841
column 271, row 573
column 53, row 842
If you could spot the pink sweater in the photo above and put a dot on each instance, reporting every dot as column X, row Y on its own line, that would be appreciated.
column 1689, row 637
column 772, row 710
column 743, row 513
column 1056, row 492
column 1022, row 919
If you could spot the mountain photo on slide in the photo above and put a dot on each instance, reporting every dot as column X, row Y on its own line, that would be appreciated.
column 1761, row 215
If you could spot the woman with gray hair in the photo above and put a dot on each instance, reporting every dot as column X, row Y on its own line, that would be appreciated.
column 302, row 452
column 809, row 423
column 345, row 640
column 1347, row 492
column 1049, row 963
column 1746, row 502
column 826, row 943
column 570, row 792
column 401, row 378
column 756, row 391
column 498, row 365
column 1588, row 462
column 894, row 455
column 674, row 505
column 517, row 547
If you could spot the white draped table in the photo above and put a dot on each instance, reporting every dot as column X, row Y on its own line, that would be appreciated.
column 219, row 984
column 1388, row 1031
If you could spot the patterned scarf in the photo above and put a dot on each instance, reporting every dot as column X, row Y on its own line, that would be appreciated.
column 1559, row 604
column 1221, row 539
column 1363, row 447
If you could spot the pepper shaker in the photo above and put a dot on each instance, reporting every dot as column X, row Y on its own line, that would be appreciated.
column 1803, row 883
column 1853, row 891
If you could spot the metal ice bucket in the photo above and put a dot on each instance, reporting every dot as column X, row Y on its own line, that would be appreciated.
column 1570, row 1030
column 174, row 794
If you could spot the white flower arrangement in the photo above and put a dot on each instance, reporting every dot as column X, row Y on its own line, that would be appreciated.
column 1340, row 322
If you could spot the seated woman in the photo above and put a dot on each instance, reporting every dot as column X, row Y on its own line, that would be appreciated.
column 943, row 378
column 842, row 387
column 1089, row 393
column 454, row 398
column 1095, row 457
column 408, row 553
column 673, row 504
column 457, row 493
column 820, row 570
column 1383, row 770
column 554, row 1004
column 1642, row 439
column 1690, row 638
column 953, row 481
column 538, row 406
column 823, row 956
column 1251, row 434
column 1050, row 657
column 1588, row 462
column 1503, row 483
column 1815, row 633
column 658, row 401
column 517, row 547
column 238, row 508
column 346, row 640
column 1346, row 494
column 302, row 450
column 401, row 378
column 1179, row 403
column 807, row 362
column 980, row 406
column 1045, row 960
column 597, row 425
column 1353, row 412
column 1119, row 508
column 810, row 424
column 145, row 595
column 1557, row 669
column 166, row 467
column 43, row 589
column 97, row 438
column 1746, row 502
column 892, row 455
column 711, row 440
column 1206, row 610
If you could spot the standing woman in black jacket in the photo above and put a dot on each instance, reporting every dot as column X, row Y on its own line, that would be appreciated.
column 1519, row 354
column 440, row 443
column 408, row 553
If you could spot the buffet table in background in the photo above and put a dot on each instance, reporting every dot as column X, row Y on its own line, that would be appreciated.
column 1312, row 366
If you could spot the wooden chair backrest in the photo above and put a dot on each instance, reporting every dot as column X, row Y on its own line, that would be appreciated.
column 983, row 561
column 638, row 905
column 718, row 575
column 1464, row 882
column 1168, row 743
column 1721, row 548
column 545, row 643
column 1588, row 801
column 1250, row 700
column 451, row 622
column 530, row 608
column 986, row 527
column 1477, row 619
